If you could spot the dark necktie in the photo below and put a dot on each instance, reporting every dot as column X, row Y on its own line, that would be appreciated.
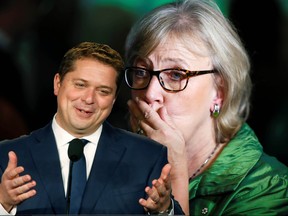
column 78, row 182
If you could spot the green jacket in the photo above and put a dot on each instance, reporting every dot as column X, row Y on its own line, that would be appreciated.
column 243, row 180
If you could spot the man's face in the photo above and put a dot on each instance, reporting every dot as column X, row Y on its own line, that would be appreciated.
column 85, row 96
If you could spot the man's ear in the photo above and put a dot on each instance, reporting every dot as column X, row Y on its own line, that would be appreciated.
column 56, row 83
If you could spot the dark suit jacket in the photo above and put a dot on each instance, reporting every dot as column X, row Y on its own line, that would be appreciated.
column 124, row 164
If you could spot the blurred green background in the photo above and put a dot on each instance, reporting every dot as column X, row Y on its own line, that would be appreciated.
column 43, row 30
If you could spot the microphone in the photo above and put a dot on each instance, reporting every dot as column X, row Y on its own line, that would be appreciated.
column 75, row 149
column 75, row 153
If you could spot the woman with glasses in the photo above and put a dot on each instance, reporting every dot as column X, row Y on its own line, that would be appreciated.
column 189, row 75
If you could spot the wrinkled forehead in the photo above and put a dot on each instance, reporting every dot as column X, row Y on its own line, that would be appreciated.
column 189, row 42
column 186, row 41
column 176, row 53
column 172, row 47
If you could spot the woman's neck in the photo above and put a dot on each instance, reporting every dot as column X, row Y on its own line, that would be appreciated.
column 201, row 155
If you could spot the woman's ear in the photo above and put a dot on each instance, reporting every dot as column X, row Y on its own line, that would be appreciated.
column 216, row 105
column 219, row 94
column 216, row 102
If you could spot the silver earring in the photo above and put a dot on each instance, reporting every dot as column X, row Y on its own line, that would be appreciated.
column 216, row 111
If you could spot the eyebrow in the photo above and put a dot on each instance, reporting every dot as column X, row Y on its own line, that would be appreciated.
column 105, row 87
column 170, row 60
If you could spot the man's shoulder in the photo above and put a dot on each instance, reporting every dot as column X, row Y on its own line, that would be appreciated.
column 26, row 138
column 130, row 139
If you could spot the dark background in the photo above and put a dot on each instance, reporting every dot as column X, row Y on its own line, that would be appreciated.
column 41, row 31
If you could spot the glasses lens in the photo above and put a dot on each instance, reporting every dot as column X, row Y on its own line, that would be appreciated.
column 174, row 80
column 137, row 78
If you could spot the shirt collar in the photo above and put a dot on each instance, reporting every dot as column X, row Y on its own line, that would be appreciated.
column 62, row 137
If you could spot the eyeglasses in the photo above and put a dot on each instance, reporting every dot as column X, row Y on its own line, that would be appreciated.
column 171, row 79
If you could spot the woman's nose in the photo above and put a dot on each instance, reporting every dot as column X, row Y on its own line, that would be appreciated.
column 154, row 91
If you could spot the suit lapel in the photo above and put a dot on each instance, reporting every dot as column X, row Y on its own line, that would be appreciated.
column 47, row 163
column 107, row 157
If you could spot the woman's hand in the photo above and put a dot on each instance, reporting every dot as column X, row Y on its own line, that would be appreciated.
column 158, row 126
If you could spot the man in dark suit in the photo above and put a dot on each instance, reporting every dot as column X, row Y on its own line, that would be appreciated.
column 35, row 169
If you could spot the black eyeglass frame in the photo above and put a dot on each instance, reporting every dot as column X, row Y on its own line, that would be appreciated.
column 157, row 74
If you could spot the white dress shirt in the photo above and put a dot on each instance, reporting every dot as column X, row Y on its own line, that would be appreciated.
column 62, row 140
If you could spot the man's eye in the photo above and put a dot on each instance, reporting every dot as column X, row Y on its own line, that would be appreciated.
column 105, row 91
column 80, row 85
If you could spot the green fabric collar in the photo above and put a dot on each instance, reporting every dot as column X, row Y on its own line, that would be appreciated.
column 231, row 166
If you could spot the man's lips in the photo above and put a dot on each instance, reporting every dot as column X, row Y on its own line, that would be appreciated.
column 83, row 111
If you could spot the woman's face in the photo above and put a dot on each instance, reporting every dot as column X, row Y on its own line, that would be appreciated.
column 190, row 109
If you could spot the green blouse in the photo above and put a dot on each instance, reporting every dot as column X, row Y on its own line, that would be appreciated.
column 242, row 181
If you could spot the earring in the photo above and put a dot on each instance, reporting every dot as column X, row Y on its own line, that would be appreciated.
column 216, row 111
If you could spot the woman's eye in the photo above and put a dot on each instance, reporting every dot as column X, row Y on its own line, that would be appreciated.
column 141, row 73
column 176, row 75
